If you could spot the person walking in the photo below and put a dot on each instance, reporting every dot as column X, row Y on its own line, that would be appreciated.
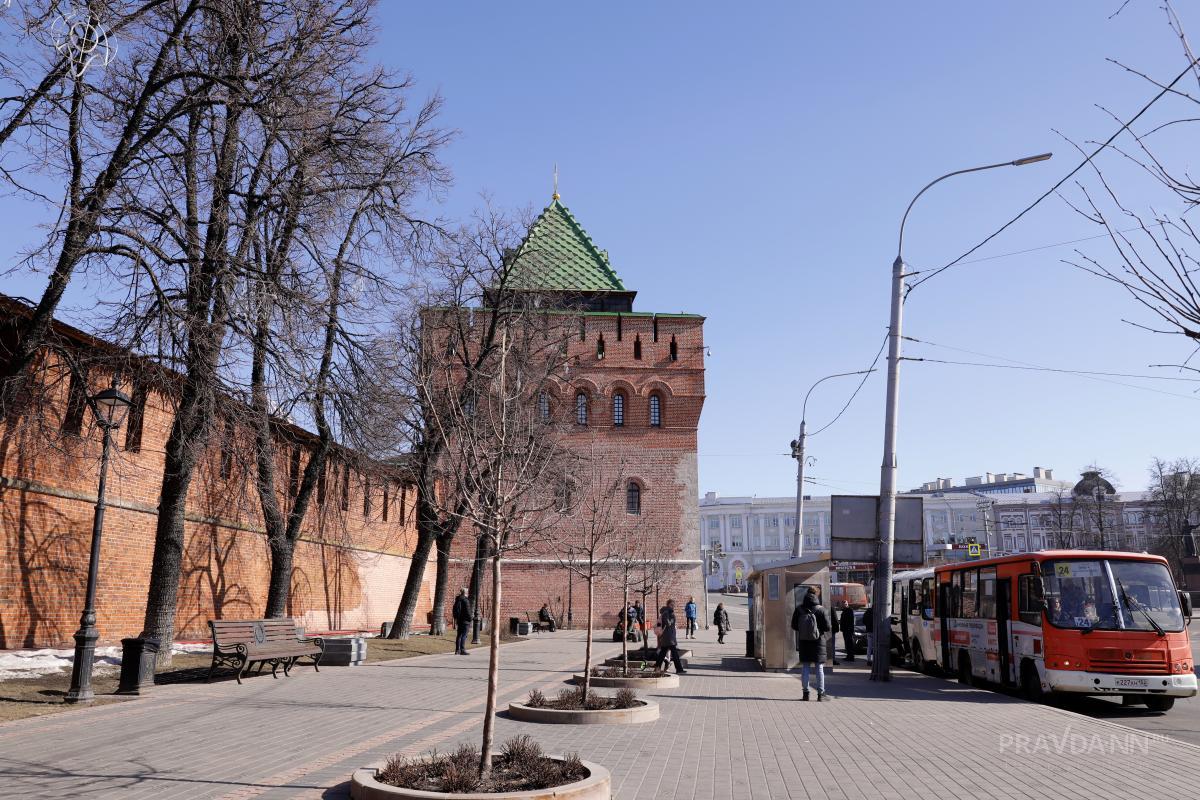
column 462, row 622
column 639, row 616
column 847, row 625
column 668, row 639
column 811, row 627
column 721, row 620
column 690, row 612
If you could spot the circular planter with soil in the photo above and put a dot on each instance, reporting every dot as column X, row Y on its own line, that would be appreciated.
column 633, row 681
column 596, row 786
column 649, row 658
column 520, row 771
column 643, row 711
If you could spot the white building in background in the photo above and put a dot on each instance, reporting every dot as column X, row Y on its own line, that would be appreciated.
column 752, row 531
column 1003, row 514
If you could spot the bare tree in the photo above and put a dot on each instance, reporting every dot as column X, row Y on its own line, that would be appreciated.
column 1153, row 245
column 102, row 118
column 506, row 453
column 1064, row 520
column 1100, row 520
column 592, row 497
column 1174, row 509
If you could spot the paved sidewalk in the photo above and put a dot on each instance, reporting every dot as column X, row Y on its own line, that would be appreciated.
column 726, row 732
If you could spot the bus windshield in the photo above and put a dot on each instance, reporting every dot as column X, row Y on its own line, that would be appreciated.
column 1080, row 595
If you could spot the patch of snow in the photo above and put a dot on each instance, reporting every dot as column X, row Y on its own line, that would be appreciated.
column 32, row 663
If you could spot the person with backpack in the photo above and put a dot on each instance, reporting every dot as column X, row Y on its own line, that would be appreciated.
column 721, row 620
column 811, row 627
column 691, row 613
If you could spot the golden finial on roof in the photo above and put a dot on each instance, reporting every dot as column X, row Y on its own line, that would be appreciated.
column 555, row 195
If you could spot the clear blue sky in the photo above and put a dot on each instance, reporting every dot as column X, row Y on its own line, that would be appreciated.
column 750, row 162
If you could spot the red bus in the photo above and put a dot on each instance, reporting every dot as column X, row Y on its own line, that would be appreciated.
column 1083, row 622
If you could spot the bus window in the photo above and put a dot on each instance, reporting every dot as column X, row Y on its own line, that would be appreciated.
column 987, row 593
column 1030, row 602
column 915, row 597
column 929, row 594
column 970, row 594
column 955, row 594
column 1147, row 595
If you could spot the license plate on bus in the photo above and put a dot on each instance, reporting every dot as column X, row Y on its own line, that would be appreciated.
column 1133, row 683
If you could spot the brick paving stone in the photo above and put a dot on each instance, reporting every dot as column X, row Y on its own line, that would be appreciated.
column 727, row 732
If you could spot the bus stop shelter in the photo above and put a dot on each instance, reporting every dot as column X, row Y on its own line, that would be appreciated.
column 775, row 591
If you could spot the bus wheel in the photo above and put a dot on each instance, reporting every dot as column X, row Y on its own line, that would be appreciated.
column 1031, row 685
column 917, row 655
column 964, row 670
column 1158, row 703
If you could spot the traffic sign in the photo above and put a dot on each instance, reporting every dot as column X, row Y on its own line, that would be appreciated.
column 973, row 551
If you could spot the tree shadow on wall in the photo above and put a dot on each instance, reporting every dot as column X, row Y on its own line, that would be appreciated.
column 206, row 573
column 47, row 553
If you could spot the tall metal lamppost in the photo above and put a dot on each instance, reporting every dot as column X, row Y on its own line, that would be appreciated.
column 881, row 670
column 109, row 407
column 797, row 446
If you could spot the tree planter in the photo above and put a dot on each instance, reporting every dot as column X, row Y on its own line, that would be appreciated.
column 647, row 711
column 596, row 786
column 617, row 661
column 632, row 682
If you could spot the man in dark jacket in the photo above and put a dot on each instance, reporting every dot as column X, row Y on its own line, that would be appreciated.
column 721, row 620
column 811, row 627
column 668, row 639
column 639, row 616
column 462, row 622
column 847, row 626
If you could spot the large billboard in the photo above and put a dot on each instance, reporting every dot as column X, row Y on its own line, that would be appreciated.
column 854, row 529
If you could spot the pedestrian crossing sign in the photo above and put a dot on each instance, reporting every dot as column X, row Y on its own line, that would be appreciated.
column 973, row 551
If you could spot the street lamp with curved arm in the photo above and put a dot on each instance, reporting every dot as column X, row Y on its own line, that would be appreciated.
column 797, row 446
column 881, row 669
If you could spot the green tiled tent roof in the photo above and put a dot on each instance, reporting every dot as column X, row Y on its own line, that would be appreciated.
column 558, row 255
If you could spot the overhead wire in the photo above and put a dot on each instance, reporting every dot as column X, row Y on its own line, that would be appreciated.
column 1087, row 160
column 1103, row 377
column 858, row 388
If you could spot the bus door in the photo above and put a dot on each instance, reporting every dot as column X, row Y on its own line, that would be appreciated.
column 943, row 611
column 1004, row 639
column 905, row 607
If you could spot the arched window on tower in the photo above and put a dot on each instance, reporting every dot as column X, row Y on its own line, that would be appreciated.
column 655, row 411
column 637, row 348
column 544, row 406
column 633, row 498
column 600, row 347
column 674, row 349
column 581, row 408
column 618, row 409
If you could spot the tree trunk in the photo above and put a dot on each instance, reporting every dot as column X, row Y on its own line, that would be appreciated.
column 475, row 587
column 282, row 552
column 625, row 632
column 493, row 686
column 587, row 653
column 402, row 624
column 438, row 625
column 188, row 433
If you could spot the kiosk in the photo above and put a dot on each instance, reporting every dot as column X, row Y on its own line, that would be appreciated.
column 775, row 591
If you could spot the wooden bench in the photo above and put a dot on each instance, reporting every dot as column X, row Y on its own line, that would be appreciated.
column 242, row 642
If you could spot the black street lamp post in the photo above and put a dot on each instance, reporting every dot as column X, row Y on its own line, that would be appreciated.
column 109, row 407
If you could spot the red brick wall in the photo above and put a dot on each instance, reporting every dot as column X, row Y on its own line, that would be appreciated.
column 662, row 460
column 349, row 569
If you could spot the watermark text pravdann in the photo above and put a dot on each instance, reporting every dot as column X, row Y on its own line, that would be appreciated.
column 1072, row 743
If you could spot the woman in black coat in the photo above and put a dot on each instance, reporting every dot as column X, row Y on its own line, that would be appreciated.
column 812, row 649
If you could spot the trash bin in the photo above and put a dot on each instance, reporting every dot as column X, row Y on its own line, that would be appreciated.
column 749, row 644
column 513, row 624
column 137, row 665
